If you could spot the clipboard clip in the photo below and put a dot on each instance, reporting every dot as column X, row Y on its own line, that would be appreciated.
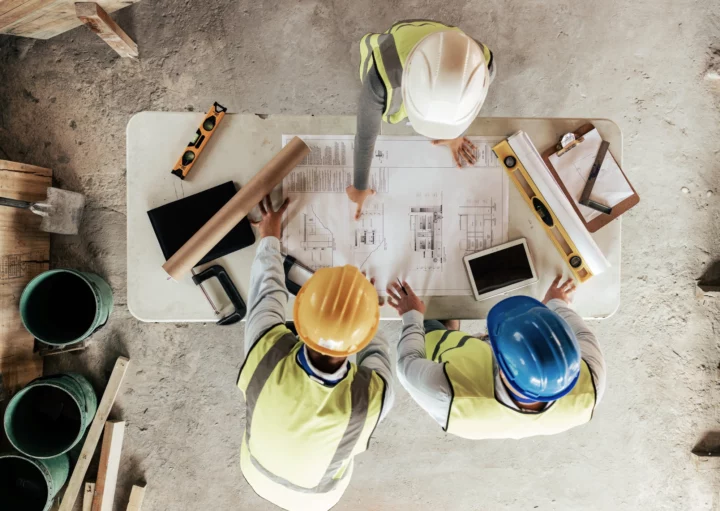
column 567, row 142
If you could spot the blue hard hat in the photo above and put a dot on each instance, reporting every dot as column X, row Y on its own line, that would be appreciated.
column 534, row 347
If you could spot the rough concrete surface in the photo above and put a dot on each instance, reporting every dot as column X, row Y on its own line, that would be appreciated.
column 648, row 65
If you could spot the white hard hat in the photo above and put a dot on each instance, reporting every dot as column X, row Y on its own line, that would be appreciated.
column 444, row 84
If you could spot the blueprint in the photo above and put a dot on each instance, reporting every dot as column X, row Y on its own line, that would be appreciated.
column 425, row 217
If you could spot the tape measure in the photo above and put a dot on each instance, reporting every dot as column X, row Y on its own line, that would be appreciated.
column 571, row 239
column 197, row 144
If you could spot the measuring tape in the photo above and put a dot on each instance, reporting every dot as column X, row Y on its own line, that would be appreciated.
column 532, row 178
column 197, row 144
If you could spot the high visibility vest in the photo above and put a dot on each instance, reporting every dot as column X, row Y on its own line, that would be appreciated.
column 300, row 435
column 389, row 51
column 475, row 412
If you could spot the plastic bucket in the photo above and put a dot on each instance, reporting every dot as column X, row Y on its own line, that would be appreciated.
column 62, row 307
column 50, row 415
column 28, row 484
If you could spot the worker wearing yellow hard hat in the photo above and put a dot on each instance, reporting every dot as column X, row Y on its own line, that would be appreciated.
column 430, row 73
column 309, row 410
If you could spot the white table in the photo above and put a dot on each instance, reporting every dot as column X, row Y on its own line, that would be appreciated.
column 244, row 143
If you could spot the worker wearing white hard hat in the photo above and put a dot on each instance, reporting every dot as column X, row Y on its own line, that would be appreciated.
column 429, row 73
column 309, row 410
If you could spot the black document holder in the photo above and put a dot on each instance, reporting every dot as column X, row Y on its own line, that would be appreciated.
column 176, row 222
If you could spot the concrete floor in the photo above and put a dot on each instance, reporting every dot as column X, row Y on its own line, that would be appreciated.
column 64, row 103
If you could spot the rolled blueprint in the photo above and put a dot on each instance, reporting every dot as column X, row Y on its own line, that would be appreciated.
column 236, row 209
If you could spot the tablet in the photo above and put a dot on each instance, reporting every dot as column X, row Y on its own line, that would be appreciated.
column 500, row 269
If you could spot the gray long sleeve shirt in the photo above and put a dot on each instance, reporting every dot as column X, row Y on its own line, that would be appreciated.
column 426, row 382
column 267, row 300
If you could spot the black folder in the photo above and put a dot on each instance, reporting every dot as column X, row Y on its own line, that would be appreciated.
column 176, row 222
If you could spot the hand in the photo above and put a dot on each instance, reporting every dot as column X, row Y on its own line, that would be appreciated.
column 358, row 197
column 404, row 302
column 271, row 222
column 561, row 292
column 381, row 300
column 463, row 151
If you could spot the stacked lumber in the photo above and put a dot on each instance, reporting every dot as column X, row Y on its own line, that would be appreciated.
column 43, row 19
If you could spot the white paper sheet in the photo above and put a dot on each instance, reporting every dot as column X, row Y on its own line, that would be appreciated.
column 425, row 217
column 574, row 167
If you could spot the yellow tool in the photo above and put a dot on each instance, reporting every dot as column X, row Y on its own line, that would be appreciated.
column 520, row 159
column 198, row 143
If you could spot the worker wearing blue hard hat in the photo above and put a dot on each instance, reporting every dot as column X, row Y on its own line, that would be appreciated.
column 540, row 371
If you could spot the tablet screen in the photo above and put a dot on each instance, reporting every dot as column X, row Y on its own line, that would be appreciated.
column 500, row 269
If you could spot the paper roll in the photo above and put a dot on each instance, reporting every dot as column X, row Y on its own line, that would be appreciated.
column 236, row 209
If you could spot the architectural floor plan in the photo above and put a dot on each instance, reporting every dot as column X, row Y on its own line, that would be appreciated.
column 425, row 217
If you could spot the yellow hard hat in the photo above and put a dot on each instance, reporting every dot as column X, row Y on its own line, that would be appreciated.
column 336, row 312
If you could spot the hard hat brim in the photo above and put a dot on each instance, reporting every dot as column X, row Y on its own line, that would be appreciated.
column 437, row 131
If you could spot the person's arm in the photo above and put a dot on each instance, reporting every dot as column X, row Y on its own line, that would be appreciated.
column 557, row 299
column 369, row 118
column 589, row 346
column 424, row 379
column 268, row 295
column 376, row 357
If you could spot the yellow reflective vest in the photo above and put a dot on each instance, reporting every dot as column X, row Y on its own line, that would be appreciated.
column 475, row 412
column 300, row 435
column 389, row 51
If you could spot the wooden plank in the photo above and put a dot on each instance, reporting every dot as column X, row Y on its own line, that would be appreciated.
column 43, row 19
column 14, row 11
column 137, row 495
column 109, row 466
column 88, row 496
column 93, row 435
column 105, row 27
column 24, row 253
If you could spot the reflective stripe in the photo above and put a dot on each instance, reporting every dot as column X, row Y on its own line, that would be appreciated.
column 437, row 346
column 393, row 72
column 267, row 365
column 365, row 56
column 359, row 399
column 459, row 345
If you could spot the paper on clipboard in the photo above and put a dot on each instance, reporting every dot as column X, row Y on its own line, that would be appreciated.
column 574, row 167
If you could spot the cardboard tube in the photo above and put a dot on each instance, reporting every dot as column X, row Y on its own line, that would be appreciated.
column 236, row 209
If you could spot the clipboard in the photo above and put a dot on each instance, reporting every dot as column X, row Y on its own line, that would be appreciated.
column 617, row 209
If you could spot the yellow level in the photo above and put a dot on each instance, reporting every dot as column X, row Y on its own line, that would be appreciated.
column 581, row 262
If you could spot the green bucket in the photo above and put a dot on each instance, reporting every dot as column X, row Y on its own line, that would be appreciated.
column 62, row 307
column 49, row 416
column 31, row 485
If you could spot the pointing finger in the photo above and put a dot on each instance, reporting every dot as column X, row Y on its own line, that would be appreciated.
column 358, row 211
